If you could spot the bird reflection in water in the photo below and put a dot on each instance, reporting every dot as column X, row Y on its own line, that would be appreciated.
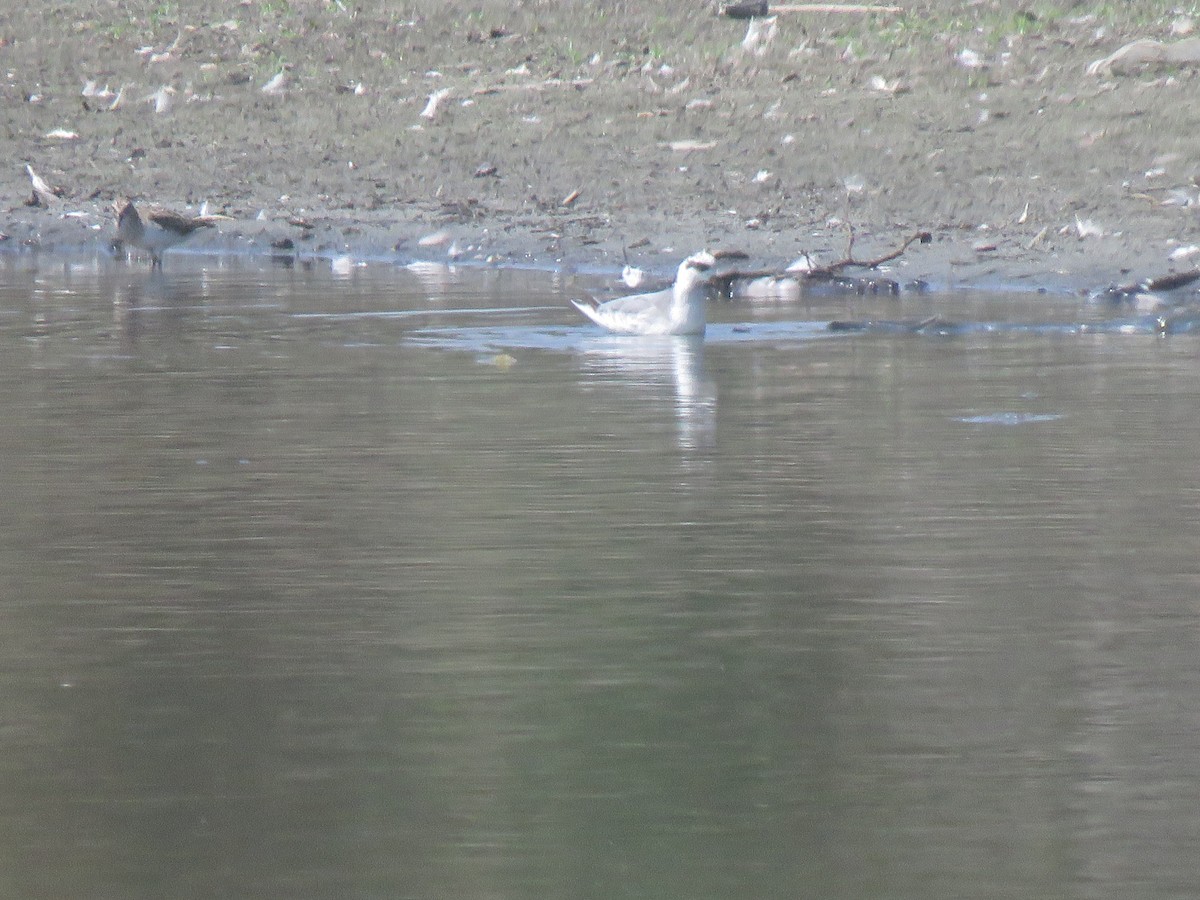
column 649, row 362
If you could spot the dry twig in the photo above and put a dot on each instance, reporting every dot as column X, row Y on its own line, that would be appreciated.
column 832, row 272
column 846, row 262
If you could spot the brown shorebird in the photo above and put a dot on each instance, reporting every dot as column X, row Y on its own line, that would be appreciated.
column 156, row 230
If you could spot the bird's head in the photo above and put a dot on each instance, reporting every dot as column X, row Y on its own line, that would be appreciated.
column 694, row 270
column 125, row 210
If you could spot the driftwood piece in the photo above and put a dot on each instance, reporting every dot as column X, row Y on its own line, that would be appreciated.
column 1170, row 282
column 833, row 274
column 724, row 282
column 750, row 10
column 537, row 86
column 923, row 237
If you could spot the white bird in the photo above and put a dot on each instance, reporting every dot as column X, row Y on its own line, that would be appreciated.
column 677, row 310
column 632, row 276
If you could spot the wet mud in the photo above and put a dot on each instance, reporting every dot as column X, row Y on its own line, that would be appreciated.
column 580, row 135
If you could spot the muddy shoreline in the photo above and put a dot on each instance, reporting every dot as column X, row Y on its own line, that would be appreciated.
column 564, row 138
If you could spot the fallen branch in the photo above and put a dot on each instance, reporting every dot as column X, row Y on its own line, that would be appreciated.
column 848, row 260
column 923, row 237
column 1162, row 283
column 833, row 273
column 577, row 83
column 1173, row 281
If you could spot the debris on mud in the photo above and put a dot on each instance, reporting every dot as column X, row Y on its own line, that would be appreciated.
column 1149, row 287
column 1144, row 53
column 761, row 284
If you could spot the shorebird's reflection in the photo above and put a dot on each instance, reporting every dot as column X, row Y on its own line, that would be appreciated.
column 159, row 301
column 655, row 360
column 155, row 289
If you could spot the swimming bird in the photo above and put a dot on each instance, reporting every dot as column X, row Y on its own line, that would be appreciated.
column 677, row 310
column 157, row 230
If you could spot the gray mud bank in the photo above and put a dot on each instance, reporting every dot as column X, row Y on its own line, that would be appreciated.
column 568, row 136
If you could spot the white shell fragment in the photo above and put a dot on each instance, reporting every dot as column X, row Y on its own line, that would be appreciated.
column 431, row 107
column 161, row 99
column 436, row 239
column 883, row 86
column 277, row 86
column 41, row 189
column 969, row 59
column 760, row 33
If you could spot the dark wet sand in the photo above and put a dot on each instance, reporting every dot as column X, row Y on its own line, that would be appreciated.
column 666, row 132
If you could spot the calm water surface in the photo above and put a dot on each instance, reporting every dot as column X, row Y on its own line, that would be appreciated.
column 391, row 587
